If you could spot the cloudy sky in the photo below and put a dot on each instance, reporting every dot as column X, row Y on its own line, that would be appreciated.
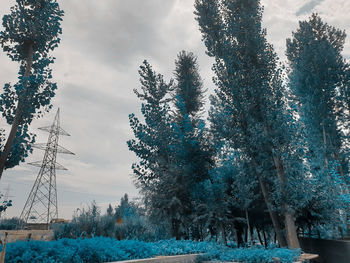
column 103, row 44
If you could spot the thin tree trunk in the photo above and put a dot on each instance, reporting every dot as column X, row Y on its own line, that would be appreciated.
column 344, row 190
column 223, row 233
column 265, row 239
column 325, row 144
column 259, row 236
column 3, row 252
column 252, row 235
column 273, row 215
column 250, row 230
column 291, row 231
column 239, row 233
column 18, row 114
column 309, row 226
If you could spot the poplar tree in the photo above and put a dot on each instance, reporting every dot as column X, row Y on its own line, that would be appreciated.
column 254, row 116
column 31, row 32
column 318, row 78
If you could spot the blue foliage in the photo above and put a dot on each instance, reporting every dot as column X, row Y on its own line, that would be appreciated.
column 128, row 222
column 30, row 32
column 37, row 22
column 101, row 249
column 10, row 223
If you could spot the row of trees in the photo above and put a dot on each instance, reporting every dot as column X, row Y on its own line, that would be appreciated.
column 275, row 153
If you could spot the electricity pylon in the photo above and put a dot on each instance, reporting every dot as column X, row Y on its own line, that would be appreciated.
column 41, row 205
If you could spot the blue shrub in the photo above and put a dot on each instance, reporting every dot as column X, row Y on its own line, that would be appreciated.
column 102, row 249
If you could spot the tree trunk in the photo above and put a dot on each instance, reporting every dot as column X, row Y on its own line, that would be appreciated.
column 291, row 231
column 175, row 225
column 223, row 233
column 259, row 236
column 265, row 239
column 309, row 226
column 18, row 115
column 325, row 144
column 250, row 230
column 273, row 215
column 239, row 233
column 252, row 235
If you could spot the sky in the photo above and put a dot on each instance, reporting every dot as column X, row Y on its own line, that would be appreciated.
column 96, row 69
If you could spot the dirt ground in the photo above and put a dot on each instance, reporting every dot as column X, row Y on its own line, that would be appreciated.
column 23, row 235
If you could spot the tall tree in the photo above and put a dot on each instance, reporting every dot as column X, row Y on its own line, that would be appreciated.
column 189, row 91
column 151, row 143
column 318, row 78
column 253, row 114
column 317, row 72
column 190, row 148
column 31, row 31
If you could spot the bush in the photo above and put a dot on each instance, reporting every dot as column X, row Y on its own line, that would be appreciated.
column 101, row 249
column 10, row 223
column 90, row 223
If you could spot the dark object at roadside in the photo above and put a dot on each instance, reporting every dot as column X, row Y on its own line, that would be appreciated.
column 330, row 251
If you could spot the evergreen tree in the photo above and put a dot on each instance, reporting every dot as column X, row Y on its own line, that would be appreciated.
column 189, row 92
column 152, row 137
column 31, row 31
column 151, row 144
column 110, row 210
column 252, row 111
column 124, row 208
column 191, row 153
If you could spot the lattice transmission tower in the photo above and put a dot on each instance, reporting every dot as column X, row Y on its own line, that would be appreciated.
column 41, row 205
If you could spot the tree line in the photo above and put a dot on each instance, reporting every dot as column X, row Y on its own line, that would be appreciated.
column 271, row 160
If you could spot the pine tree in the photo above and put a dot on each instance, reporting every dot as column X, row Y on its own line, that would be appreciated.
column 189, row 91
column 254, row 116
column 151, row 143
column 123, row 208
column 31, row 31
column 110, row 210
column 190, row 151
column 152, row 137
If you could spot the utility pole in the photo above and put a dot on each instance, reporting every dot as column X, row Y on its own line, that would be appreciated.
column 41, row 206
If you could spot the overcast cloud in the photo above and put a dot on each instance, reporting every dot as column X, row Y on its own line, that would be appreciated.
column 103, row 44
